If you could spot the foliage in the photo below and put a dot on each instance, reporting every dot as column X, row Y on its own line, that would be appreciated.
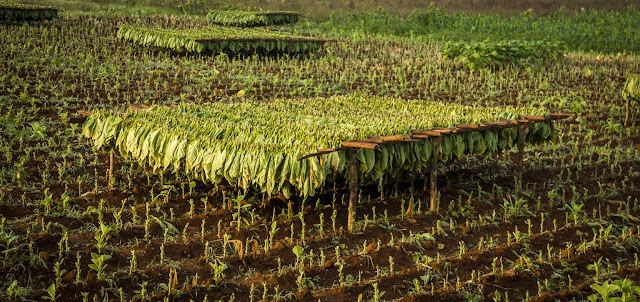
column 485, row 54
column 617, row 291
column 231, row 41
column 251, row 19
column 98, row 264
column 631, row 89
column 257, row 144
column 25, row 12
column 50, row 72
column 597, row 30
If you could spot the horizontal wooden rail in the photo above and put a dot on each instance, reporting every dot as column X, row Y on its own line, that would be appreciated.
column 361, row 144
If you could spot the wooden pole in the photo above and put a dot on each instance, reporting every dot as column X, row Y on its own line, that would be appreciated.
column 626, row 116
column 110, row 186
column 521, row 135
column 353, row 189
column 434, row 177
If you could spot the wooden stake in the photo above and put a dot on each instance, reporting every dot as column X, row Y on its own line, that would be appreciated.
column 110, row 170
column 521, row 135
column 353, row 189
column 626, row 116
column 434, row 176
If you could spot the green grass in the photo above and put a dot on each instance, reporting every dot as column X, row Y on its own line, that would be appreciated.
column 597, row 30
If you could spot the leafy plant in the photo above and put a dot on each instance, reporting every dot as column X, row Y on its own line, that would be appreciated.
column 98, row 264
column 218, row 270
column 576, row 211
column 102, row 236
column 51, row 293
column 631, row 92
column 297, row 250
column 485, row 54
column 8, row 251
column 617, row 291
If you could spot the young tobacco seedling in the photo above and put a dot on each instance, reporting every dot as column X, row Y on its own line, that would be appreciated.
column 98, row 264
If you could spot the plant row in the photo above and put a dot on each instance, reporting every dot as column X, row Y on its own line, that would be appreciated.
column 257, row 144
column 484, row 54
column 231, row 41
column 251, row 19
column 24, row 12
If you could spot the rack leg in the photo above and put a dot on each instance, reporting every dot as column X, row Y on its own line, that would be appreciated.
column 433, row 194
column 626, row 116
column 110, row 186
column 353, row 190
column 521, row 135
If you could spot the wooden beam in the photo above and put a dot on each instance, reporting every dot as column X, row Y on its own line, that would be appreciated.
column 360, row 144
column 532, row 117
column 446, row 130
column 470, row 126
column 425, row 133
column 423, row 136
column 333, row 149
column 322, row 151
column 353, row 189
column 84, row 112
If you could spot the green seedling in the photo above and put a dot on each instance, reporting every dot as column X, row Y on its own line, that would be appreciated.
column 99, row 265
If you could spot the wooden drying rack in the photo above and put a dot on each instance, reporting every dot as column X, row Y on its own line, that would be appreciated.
column 523, row 122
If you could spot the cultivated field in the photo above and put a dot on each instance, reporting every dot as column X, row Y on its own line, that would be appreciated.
column 569, row 227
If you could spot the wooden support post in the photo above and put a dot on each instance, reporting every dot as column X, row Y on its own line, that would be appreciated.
column 521, row 134
column 626, row 116
column 109, row 185
column 353, row 189
column 433, row 196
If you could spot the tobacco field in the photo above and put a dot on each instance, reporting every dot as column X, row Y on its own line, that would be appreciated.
column 195, row 225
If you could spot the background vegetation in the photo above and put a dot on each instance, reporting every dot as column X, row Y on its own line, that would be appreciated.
column 70, row 232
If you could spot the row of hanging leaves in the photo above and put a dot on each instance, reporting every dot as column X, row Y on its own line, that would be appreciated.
column 24, row 12
column 251, row 19
column 232, row 41
column 256, row 145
